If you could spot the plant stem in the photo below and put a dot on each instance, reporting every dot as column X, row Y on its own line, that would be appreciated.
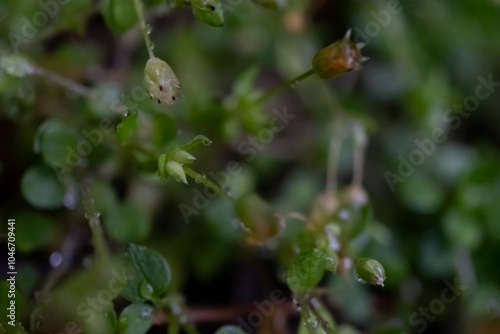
column 206, row 182
column 359, row 154
column 285, row 85
column 65, row 82
column 139, row 8
column 92, row 214
column 334, row 153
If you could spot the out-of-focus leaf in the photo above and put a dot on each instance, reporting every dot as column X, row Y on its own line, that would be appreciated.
column 152, row 273
column 33, row 230
column 41, row 188
column 135, row 319
column 126, row 129
column 306, row 271
column 164, row 129
column 119, row 15
column 127, row 223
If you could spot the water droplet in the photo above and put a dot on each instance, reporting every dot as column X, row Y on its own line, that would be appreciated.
column 123, row 319
column 97, row 214
column 70, row 200
column 55, row 259
column 152, row 45
column 197, row 180
column 149, row 29
column 344, row 214
column 146, row 312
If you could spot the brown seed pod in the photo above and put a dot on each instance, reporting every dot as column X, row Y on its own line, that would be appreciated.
column 337, row 58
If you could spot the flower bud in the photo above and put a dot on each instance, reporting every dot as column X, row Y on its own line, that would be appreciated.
column 161, row 81
column 355, row 196
column 209, row 12
column 341, row 56
column 370, row 271
column 181, row 156
column 323, row 209
column 175, row 170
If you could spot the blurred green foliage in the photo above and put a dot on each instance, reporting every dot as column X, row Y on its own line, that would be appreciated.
column 433, row 203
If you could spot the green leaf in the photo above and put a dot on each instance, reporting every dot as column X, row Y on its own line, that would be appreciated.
column 58, row 144
column 119, row 15
column 230, row 330
column 135, row 319
column 41, row 188
column 33, row 230
column 16, row 66
column 164, row 130
column 462, row 229
column 127, row 223
column 152, row 271
column 105, row 198
column 245, row 82
column 17, row 329
column 75, row 8
column 126, row 129
column 306, row 271
column 209, row 12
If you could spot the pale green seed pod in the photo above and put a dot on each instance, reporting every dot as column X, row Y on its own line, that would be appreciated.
column 337, row 58
column 181, row 156
column 370, row 271
column 161, row 81
column 175, row 170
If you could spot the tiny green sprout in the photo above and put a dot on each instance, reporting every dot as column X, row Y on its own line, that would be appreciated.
column 370, row 271
column 161, row 81
column 339, row 57
column 181, row 156
column 175, row 170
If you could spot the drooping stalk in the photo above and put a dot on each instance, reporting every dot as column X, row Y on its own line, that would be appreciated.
column 139, row 8
column 283, row 86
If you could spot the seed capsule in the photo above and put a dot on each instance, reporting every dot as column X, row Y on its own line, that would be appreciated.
column 337, row 58
column 161, row 81
column 370, row 271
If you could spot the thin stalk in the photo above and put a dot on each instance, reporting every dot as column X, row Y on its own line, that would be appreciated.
column 359, row 155
column 65, row 82
column 285, row 85
column 139, row 8
column 206, row 182
column 92, row 214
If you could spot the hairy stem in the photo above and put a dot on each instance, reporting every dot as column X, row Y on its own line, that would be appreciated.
column 139, row 8
column 283, row 86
